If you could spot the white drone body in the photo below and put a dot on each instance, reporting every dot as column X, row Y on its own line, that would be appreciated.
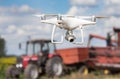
column 68, row 23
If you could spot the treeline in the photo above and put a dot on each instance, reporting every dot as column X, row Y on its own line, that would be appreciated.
column 2, row 47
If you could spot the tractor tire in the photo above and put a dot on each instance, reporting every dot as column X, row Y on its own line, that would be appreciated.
column 84, row 70
column 54, row 67
column 12, row 72
column 31, row 72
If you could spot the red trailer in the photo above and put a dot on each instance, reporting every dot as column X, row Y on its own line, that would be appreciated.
column 73, row 55
column 103, row 58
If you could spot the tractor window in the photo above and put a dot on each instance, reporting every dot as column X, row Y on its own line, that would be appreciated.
column 30, row 49
column 44, row 47
column 51, row 48
column 37, row 48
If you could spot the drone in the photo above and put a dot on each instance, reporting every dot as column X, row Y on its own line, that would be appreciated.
column 69, row 23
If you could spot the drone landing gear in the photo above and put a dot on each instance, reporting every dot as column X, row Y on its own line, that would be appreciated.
column 69, row 36
column 52, row 37
column 82, row 37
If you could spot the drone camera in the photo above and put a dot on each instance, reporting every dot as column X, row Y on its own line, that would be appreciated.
column 70, row 38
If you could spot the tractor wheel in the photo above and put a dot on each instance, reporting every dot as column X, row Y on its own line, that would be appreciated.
column 31, row 72
column 84, row 70
column 54, row 67
column 12, row 72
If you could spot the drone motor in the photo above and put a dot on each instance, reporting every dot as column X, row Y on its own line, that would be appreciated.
column 93, row 19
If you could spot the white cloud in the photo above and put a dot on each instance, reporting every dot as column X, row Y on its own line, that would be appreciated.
column 115, row 1
column 11, row 28
column 113, row 21
column 113, row 10
column 25, row 8
column 17, row 10
column 73, row 10
column 20, row 32
column 109, row 2
column 112, row 7
column 83, row 2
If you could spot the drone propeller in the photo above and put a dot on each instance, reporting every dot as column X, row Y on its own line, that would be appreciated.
column 89, row 17
column 98, row 17
column 102, row 16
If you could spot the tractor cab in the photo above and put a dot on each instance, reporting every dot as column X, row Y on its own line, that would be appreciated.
column 35, row 47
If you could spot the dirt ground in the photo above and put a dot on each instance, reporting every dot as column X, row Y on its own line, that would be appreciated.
column 76, row 75
column 89, row 76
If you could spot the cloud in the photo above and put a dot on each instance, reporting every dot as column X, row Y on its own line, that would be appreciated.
column 18, row 22
column 82, row 7
column 113, row 21
column 111, row 7
column 111, row 10
column 73, row 10
column 109, row 2
column 24, row 9
column 83, row 2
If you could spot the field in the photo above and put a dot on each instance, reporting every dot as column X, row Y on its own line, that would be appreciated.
column 76, row 75
column 5, row 62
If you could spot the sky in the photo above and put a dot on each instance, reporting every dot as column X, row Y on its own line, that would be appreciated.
column 17, row 22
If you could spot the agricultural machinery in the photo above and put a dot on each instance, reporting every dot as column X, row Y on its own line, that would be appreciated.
column 43, row 57
column 107, row 59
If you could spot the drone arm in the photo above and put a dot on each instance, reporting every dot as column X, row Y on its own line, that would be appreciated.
column 52, row 37
column 82, row 36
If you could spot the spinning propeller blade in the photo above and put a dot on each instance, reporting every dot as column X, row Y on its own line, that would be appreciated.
column 37, row 15
column 102, row 16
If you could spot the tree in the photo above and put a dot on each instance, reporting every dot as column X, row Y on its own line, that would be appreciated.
column 2, row 47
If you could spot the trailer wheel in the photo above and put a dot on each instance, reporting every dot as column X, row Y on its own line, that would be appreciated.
column 105, row 72
column 84, row 70
column 31, row 72
column 12, row 72
column 54, row 67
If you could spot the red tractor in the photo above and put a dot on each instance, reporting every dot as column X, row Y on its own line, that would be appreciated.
column 40, row 57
